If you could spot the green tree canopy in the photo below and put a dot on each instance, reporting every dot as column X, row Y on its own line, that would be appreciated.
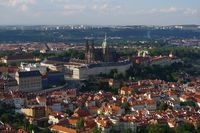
column 80, row 123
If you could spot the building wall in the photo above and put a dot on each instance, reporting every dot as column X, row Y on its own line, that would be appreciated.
column 9, row 85
column 55, row 78
column 45, row 83
column 151, row 107
column 56, row 107
column 39, row 112
column 138, row 107
column 29, row 83
column 27, row 111
column 198, row 103
column 84, row 72
column 35, row 112
column 54, row 67
column 130, row 125
column 42, row 69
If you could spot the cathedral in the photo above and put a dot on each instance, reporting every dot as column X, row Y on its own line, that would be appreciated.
column 104, row 54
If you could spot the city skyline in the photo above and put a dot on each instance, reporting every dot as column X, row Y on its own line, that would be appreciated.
column 99, row 12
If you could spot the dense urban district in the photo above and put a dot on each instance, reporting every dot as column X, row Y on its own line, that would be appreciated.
column 101, row 83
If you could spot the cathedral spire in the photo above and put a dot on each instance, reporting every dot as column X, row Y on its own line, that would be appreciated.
column 105, row 48
column 105, row 38
column 104, row 44
column 87, row 46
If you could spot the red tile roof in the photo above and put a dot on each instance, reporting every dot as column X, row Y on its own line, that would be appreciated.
column 63, row 129
column 81, row 113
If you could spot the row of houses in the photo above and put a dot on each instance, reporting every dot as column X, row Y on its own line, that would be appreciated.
column 129, row 109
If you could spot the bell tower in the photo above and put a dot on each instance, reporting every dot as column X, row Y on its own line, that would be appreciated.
column 89, row 51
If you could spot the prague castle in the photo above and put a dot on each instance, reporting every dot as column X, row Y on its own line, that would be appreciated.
column 94, row 67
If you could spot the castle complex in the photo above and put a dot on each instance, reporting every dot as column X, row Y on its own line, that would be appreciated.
column 98, row 61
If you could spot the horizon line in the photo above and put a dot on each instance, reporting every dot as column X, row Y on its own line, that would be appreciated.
column 104, row 25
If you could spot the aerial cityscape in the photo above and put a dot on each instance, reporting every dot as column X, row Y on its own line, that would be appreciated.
column 99, row 66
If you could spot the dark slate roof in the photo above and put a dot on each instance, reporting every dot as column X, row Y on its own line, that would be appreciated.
column 109, row 64
column 29, row 74
column 20, row 57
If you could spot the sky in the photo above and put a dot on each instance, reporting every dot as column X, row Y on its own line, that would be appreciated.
column 99, row 12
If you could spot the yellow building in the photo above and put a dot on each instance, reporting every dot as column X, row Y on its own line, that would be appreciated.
column 35, row 113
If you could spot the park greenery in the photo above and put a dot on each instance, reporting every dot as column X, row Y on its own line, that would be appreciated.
column 187, row 54
column 177, row 72
column 167, row 73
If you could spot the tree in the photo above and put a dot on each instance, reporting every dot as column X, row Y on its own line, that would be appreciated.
column 114, row 131
column 190, row 103
column 80, row 123
column 185, row 128
column 32, row 127
column 75, row 54
column 113, row 73
column 13, row 64
column 198, row 126
column 163, row 106
column 167, row 73
column 68, row 112
column 5, row 118
column 128, row 131
column 155, row 129
column 141, row 129
column 96, row 130
column 125, row 105
column 46, row 130
column 135, row 91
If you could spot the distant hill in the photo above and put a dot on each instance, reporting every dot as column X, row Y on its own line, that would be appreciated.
column 14, row 34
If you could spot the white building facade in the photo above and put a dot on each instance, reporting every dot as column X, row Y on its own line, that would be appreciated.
column 83, row 72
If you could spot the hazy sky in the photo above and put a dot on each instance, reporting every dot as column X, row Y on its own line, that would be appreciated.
column 100, row 12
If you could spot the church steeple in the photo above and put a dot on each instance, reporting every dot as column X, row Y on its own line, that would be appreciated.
column 89, row 51
column 92, row 45
column 105, row 48
column 87, row 46
column 170, row 55
column 104, row 44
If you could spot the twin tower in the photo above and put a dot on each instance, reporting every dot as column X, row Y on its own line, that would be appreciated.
column 91, row 53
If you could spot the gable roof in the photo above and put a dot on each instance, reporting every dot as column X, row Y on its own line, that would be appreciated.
column 61, row 128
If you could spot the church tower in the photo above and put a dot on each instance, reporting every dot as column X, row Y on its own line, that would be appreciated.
column 92, row 51
column 105, row 48
column 89, row 51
